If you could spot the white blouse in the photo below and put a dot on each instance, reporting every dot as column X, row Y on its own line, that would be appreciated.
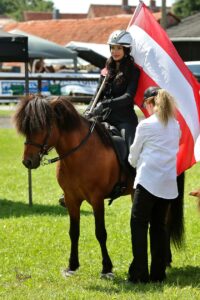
column 153, row 153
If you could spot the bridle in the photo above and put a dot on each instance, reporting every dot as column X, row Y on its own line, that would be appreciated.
column 44, row 150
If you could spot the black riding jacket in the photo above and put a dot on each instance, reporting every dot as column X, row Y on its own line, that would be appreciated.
column 118, row 97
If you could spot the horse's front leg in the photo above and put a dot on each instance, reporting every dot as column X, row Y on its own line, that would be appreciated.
column 101, row 236
column 74, row 231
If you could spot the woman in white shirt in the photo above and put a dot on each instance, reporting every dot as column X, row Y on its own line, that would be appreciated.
column 153, row 154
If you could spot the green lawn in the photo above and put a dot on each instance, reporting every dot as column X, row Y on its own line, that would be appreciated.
column 34, row 241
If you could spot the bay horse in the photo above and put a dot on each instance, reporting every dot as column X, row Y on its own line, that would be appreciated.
column 87, row 165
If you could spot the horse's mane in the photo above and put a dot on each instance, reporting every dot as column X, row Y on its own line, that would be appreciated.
column 33, row 113
column 36, row 113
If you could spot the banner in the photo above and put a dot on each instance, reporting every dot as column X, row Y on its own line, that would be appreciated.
column 162, row 66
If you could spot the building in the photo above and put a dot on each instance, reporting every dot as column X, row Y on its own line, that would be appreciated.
column 186, row 37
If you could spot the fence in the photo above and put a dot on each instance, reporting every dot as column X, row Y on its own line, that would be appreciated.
column 79, row 87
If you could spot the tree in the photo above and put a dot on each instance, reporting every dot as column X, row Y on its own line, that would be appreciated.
column 15, row 9
column 184, row 8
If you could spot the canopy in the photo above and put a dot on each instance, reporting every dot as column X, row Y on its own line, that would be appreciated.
column 96, row 54
column 14, row 47
column 42, row 48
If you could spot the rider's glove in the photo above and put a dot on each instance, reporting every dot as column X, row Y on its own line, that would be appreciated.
column 98, row 109
column 87, row 114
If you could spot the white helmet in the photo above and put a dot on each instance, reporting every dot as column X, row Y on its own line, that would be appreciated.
column 120, row 37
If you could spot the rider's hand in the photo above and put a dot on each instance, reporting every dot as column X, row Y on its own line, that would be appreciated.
column 87, row 114
column 98, row 109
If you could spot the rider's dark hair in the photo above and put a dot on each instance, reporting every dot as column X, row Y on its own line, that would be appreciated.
column 125, row 67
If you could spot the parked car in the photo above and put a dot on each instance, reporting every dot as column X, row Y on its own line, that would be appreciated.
column 194, row 67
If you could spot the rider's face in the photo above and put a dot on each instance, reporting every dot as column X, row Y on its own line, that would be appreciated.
column 117, row 52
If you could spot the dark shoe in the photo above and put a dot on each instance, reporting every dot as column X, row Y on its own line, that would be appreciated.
column 132, row 279
column 157, row 279
column 62, row 201
column 137, row 276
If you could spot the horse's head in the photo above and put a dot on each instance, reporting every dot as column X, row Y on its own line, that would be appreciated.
column 33, row 119
column 35, row 148
column 38, row 118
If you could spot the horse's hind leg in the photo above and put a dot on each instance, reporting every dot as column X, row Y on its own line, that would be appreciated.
column 101, row 236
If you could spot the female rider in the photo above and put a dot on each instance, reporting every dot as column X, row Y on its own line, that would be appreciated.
column 116, row 103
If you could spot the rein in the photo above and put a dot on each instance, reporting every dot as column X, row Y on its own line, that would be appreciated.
column 46, row 161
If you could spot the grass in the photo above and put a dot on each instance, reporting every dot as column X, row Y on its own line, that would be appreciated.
column 34, row 241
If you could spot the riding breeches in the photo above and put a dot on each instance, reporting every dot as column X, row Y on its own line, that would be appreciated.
column 127, row 131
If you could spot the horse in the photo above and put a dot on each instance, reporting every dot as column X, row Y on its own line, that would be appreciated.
column 88, row 167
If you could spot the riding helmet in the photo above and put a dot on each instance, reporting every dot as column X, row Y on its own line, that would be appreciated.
column 120, row 37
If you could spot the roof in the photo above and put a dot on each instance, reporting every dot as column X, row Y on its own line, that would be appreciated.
column 188, row 27
column 95, row 30
column 34, row 15
column 186, row 37
column 108, row 10
column 158, row 16
column 89, row 30
column 93, row 12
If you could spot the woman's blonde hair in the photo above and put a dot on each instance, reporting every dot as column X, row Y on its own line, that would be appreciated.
column 165, row 106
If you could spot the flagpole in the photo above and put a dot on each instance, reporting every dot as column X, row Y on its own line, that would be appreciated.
column 136, row 12
column 164, row 15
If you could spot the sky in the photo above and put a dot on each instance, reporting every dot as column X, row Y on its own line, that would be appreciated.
column 82, row 6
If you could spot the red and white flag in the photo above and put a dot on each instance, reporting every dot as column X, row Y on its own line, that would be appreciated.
column 162, row 66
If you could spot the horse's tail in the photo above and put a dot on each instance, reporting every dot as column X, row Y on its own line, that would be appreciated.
column 176, row 223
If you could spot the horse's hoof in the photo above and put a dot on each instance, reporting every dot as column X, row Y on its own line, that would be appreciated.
column 67, row 273
column 109, row 275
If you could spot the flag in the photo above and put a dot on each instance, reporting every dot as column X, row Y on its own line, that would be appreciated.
column 162, row 66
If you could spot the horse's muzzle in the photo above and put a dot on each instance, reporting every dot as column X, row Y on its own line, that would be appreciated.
column 32, row 162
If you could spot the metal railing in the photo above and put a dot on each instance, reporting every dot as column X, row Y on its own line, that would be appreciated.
column 11, row 83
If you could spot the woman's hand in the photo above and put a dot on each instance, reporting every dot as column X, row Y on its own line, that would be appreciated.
column 98, row 109
column 95, row 113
